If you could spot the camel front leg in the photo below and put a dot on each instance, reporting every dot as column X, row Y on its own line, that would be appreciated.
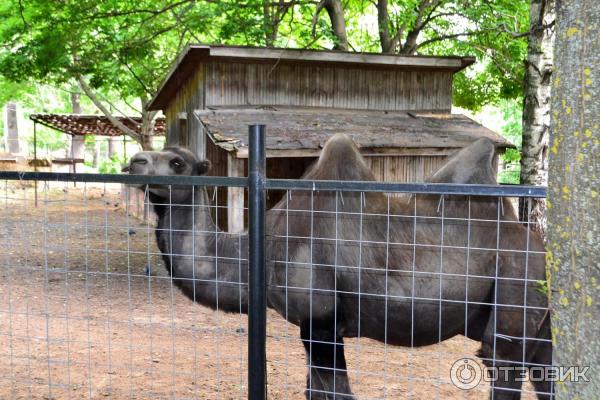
column 327, row 376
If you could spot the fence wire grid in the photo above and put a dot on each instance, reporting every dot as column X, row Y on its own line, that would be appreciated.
column 384, row 299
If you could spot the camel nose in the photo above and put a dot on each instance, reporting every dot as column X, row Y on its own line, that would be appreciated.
column 139, row 164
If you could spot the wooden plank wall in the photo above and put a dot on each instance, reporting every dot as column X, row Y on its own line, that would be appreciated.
column 189, row 97
column 325, row 86
column 218, row 158
column 277, row 168
column 404, row 168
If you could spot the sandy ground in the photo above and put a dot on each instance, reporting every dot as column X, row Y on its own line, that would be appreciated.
column 80, row 319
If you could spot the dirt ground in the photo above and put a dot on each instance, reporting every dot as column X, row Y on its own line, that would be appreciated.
column 80, row 319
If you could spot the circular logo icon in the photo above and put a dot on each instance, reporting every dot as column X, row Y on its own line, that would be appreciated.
column 465, row 373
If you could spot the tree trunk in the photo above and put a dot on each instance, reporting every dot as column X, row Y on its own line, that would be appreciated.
column 11, row 139
column 77, row 141
column 96, row 156
column 573, row 195
column 335, row 10
column 388, row 45
column 147, row 127
column 536, row 107
column 76, row 103
column 113, row 146
column 146, row 143
column 270, row 23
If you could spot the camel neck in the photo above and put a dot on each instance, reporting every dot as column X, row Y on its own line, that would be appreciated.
column 200, row 257
column 191, row 212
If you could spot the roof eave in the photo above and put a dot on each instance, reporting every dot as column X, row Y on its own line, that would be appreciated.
column 192, row 54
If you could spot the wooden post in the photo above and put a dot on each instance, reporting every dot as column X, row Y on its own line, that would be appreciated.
column 235, row 196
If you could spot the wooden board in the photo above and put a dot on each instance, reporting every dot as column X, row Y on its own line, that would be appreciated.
column 327, row 86
column 293, row 132
column 194, row 56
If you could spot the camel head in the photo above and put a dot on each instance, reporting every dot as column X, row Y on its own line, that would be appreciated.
column 168, row 161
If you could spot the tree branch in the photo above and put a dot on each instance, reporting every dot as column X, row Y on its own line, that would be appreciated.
column 21, row 13
column 453, row 36
column 335, row 10
column 383, row 22
column 410, row 44
column 118, row 124
column 137, row 11
column 315, row 17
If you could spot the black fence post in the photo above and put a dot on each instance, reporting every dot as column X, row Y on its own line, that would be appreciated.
column 257, row 293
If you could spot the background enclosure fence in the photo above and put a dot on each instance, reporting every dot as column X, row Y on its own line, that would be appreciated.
column 88, row 309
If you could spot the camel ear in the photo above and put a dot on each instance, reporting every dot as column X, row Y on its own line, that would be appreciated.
column 203, row 166
column 473, row 164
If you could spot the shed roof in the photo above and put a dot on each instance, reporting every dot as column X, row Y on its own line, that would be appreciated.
column 293, row 132
column 98, row 125
column 193, row 55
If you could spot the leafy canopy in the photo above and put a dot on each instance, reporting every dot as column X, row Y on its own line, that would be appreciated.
column 124, row 49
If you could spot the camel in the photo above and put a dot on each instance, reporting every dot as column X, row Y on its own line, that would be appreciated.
column 404, row 271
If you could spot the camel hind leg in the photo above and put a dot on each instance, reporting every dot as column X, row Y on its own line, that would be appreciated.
column 503, row 348
column 543, row 357
column 327, row 376
column 503, row 357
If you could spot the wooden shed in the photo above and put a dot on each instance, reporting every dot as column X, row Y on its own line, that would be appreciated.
column 396, row 108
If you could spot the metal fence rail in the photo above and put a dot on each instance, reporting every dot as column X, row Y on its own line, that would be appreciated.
column 74, row 263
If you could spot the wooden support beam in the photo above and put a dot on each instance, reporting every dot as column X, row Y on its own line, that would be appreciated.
column 235, row 196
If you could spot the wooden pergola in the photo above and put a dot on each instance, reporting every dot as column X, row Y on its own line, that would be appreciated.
column 97, row 125
column 82, row 125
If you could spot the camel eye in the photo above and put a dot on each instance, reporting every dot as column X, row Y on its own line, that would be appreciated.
column 177, row 164
column 139, row 161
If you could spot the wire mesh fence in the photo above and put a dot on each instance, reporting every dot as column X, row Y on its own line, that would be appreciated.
column 371, row 295
column 390, row 294
column 89, row 310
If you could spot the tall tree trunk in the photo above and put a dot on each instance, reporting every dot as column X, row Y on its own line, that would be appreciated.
column 147, row 143
column 536, row 107
column 148, row 123
column 573, row 197
column 335, row 11
column 113, row 146
column 96, row 156
column 77, row 142
column 388, row 44
column 11, row 138
column 272, row 15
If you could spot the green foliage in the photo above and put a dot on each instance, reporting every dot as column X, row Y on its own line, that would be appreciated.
column 510, row 176
column 512, row 114
column 490, row 29
column 125, row 49
column 112, row 165
column 49, row 140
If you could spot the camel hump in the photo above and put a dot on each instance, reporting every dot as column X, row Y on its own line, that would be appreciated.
column 341, row 160
column 473, row 164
